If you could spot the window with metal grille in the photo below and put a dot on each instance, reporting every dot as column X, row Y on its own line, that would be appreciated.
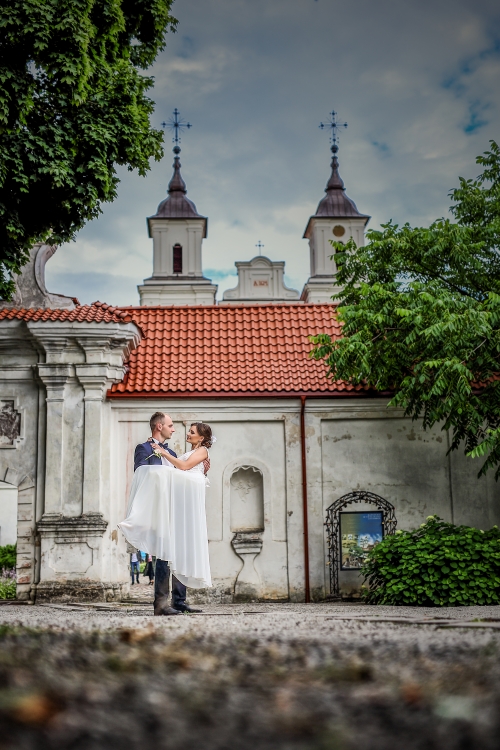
column 177, row 258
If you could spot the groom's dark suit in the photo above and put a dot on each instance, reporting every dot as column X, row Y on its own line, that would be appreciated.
column 143, row 457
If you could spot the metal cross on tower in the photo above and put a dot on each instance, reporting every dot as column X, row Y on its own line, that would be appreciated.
column 333, row 126
column 176, row 124
column 260, row 246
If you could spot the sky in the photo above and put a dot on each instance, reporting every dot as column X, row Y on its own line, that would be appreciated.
column 417, row 81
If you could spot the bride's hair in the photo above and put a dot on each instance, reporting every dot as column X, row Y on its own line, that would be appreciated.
column 206, row 433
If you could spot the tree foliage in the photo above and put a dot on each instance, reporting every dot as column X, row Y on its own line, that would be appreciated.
column 438, row 565
column 421, row 316
column 73, row 105
column 8, row 556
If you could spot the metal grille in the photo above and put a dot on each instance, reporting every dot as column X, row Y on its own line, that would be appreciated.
column 333, row 534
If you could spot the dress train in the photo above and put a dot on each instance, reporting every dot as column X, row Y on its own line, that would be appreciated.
column 166, row 518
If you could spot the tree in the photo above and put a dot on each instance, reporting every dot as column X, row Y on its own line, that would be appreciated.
column 421, row 316
column 73, row 105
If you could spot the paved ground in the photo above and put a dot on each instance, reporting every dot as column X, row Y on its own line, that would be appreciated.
column 322, row 676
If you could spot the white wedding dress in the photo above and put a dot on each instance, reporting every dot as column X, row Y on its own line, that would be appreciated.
column 166, row 517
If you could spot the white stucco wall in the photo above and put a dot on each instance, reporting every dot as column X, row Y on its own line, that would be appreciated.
column 245, row 437
column 351, row 444
column 8, row 514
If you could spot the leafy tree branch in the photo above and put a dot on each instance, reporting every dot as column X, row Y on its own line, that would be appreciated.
column 73, row 106
column 420, row 309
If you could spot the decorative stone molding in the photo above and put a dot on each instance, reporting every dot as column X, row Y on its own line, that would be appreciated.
column 260, row 280
column 66, row 592
column 19, row 479
column 54, row 377
column 76, row 529
column 30, row 288
column 71, row 559
column 247, row 546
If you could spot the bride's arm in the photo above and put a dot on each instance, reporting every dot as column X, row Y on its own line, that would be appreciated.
column 197, row 457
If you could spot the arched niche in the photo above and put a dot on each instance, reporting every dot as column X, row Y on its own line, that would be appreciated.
column 247, row 500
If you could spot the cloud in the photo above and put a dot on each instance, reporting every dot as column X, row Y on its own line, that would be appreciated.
column 417, row 83
column 92, row 286
column 218, row 274
column 476, row 119
column 187, row 47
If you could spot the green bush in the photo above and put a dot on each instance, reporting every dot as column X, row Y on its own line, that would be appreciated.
column 438, row 565
column 7, row 589
column 8, row 556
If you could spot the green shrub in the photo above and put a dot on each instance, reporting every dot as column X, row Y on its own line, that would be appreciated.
column 439, row 565
column 8, row 556
column 7, row 588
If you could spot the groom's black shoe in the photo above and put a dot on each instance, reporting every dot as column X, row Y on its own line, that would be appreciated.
column 186, row 608
column 166, row 611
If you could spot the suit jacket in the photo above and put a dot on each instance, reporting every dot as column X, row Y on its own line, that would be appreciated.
column 143, row 457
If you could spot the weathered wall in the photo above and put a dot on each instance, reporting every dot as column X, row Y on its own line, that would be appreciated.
column 74, row 482
column 249, row 434
column 360, row 444
column 351, row 444
column 20, row 452
column 54, row 447
column 8, row 514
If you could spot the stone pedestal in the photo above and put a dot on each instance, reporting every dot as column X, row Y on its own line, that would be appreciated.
column 247, row 546
column 71, row 559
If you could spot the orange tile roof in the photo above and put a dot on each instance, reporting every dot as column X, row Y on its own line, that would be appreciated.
column 97, row 312
column 229, row 349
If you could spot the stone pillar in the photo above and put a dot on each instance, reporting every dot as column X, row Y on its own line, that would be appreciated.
column 54, row 376
column 94, row 379
column 78, row 552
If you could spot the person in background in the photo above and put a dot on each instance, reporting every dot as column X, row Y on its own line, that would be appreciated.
column 149, row 569
column 134, row 566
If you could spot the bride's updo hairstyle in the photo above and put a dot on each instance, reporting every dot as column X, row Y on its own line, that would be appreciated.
column 205, row 431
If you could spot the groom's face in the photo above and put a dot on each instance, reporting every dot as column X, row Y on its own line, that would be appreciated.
column 167, row 428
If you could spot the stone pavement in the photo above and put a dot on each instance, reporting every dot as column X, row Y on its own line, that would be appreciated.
column 293, row 676
column 141, row 592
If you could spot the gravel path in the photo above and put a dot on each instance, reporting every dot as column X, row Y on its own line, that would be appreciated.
column 270, row 676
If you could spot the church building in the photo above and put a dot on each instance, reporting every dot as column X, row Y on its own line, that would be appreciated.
column 78, row 384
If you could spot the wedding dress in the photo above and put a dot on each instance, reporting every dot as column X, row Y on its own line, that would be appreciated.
column 166, row 517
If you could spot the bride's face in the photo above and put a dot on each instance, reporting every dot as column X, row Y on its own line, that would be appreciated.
column 193, row 436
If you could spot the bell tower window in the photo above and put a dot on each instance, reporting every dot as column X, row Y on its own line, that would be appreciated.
column 177, row 264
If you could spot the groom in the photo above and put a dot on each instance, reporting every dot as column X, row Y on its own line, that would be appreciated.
column 162, row 429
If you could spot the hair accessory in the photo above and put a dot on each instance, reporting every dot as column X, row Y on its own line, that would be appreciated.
column 213, row 439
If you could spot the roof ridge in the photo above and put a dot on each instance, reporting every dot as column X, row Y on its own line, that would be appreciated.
column 242, row 306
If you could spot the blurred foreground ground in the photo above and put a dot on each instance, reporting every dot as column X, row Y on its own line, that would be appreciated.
column 280, row 676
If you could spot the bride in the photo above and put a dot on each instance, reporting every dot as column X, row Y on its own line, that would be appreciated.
column 166, row 511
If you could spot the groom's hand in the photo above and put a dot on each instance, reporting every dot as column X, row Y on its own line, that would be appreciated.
column 161, row 450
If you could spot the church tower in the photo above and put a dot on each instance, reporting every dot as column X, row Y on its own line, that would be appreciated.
column 177, row 230
column 336, row 218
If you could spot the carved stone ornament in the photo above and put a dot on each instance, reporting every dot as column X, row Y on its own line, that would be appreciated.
column 30, row 286
column 248, row 585
column 10, row 424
